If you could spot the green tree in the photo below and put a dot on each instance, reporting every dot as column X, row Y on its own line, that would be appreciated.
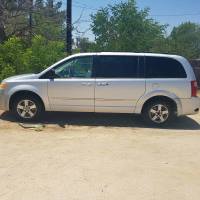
column 11, row 58
column 43, row 53
column 50, row 3
column 123, row 27
column 39, row 4
column 13, row 18
column 17, row 58
column 49, row 20
column 185, row 40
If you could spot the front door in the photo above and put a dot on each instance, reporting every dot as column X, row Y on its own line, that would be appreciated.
column 73, row 87
column 118, row 83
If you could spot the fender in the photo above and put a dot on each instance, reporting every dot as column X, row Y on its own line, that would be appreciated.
column 147, row 96
column 30, row 88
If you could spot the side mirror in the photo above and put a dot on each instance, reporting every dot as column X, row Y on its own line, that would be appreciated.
column 51, row 74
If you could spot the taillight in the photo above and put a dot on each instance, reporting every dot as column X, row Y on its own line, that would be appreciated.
column 194, row 88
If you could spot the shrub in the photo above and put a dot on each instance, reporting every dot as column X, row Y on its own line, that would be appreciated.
column 16, row 58
column 43, row 53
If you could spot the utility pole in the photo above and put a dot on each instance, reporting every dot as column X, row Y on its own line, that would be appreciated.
column 69, row 27
column 31, row 20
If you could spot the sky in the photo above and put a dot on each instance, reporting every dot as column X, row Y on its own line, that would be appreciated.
column 171, row 12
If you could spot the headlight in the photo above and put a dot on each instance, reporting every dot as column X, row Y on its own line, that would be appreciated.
column 3, row 86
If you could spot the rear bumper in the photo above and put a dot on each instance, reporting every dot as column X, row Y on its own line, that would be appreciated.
column 190, row 106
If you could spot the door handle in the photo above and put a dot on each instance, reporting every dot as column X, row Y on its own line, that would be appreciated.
column 103, row 84
column 86, row 84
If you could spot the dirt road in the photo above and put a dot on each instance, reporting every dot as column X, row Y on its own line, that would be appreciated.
column 99, row 157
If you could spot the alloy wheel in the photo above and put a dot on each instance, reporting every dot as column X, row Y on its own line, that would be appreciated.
column 26, row 109
column 159, row 113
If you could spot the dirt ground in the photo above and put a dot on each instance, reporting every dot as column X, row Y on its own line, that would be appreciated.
column 79, row 156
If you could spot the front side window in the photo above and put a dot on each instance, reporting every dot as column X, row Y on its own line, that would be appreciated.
column 75, row 68
column 116, row 67
column 161, row 67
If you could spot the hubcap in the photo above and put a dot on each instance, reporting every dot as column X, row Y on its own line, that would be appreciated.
column 159, row 113
column 26, row 109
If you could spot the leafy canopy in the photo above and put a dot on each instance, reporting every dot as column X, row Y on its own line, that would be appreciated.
column 122, row 27
column 16, row 58
column 185, row 40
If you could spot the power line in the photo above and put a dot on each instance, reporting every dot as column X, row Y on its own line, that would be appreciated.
column 175, row 15
column 85, row 7
column 79, row 4
column 151, row 15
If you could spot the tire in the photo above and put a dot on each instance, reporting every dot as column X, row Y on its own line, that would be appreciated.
column 27, row 108
column 158, row 113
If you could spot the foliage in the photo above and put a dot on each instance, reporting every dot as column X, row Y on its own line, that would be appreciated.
column 13, row 18
column 24, row 18
column 43, row 53
column 49, row 20
column 11, row 58
column 122, row 27
column 185, row 40
column 16, row 58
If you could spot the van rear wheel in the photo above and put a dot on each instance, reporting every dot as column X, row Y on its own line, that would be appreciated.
column 158, row 113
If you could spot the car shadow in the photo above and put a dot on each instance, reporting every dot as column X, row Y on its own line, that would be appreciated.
column 107, row 120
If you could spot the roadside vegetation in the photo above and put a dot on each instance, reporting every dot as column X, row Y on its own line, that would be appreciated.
column 26, row 48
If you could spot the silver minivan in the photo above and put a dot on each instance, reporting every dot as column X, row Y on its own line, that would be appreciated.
column 158, row 86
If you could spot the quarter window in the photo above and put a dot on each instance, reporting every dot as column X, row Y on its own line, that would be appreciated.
column 116, row 67
column 160, row 67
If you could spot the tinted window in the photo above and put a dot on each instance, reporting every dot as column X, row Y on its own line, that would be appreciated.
column 116, row 67
column 158, row 67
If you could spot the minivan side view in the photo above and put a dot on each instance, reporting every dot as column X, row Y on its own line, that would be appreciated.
column 158, row 86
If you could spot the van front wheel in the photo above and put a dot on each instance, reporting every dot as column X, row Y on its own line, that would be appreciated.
column 158, row 113
column 27, row 108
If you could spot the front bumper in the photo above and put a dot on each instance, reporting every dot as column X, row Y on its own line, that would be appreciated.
column 190, row 106
column 2, row 100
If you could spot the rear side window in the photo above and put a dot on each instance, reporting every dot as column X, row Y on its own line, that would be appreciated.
column 116, row 66
column 160, row 67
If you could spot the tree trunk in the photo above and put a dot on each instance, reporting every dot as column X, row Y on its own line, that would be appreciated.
column 2, row 33
column 50, row 3
column 2, row 28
